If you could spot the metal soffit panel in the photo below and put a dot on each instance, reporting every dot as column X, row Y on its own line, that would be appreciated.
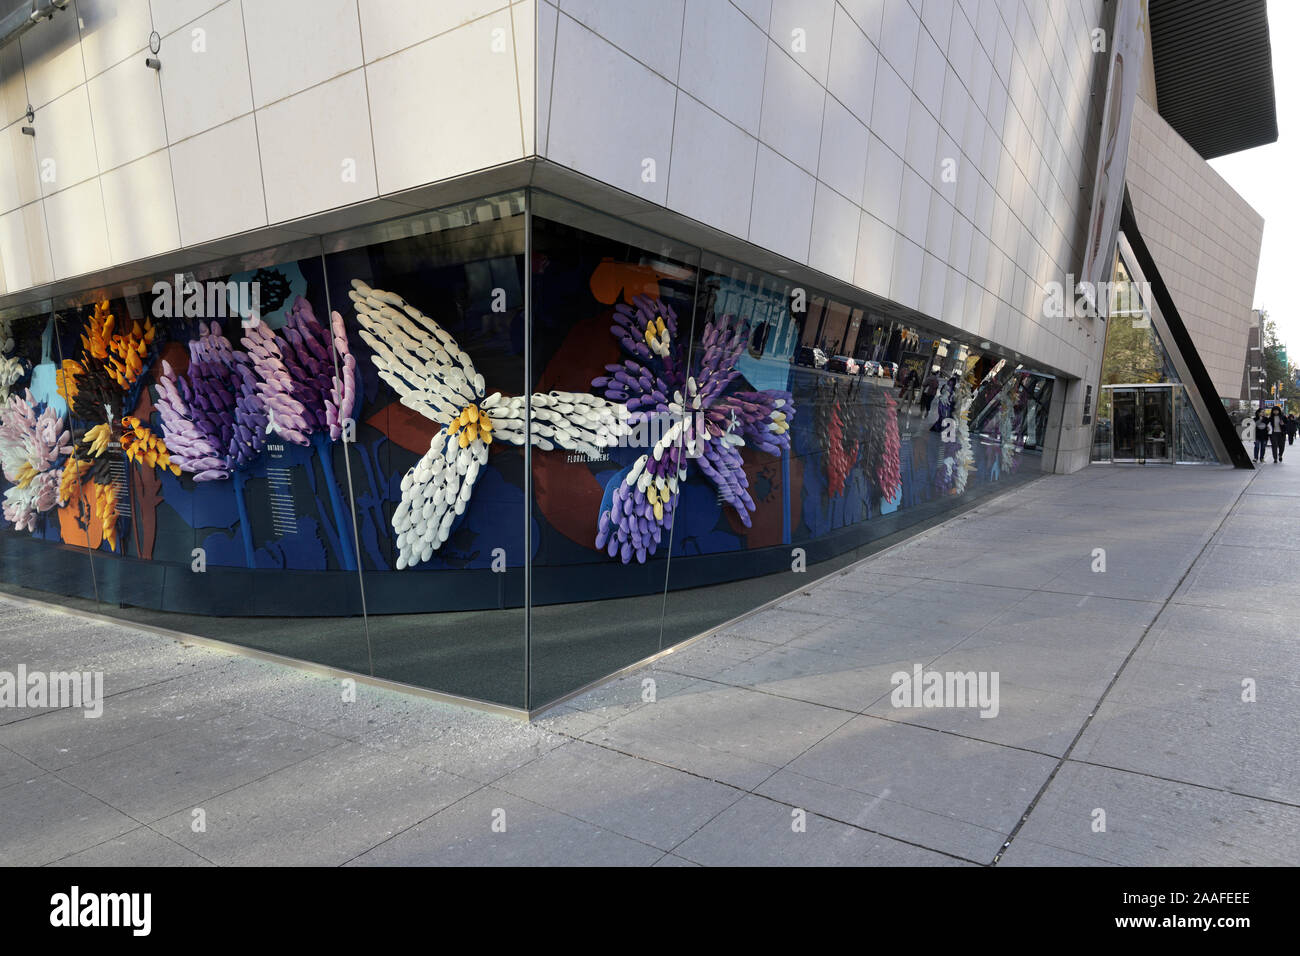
column 1214, row 72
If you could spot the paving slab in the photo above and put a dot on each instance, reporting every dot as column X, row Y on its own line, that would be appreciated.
column 323, row 811
column 479, row 747
column 45, row 818
column 491, row 827
column 1245, row 579
column 709, row 658
column 179, row 769
column 793, row 617
column 756, row 831
column 14, row 768
column 815, row 676
column 139, row 847
column 1153, row 822
column 65, row 737
column 729, row 734
column 1191, row 723
column 938, row 790
column 879, row 640
column 1028, row 718
column 1250, row 642
column 640, row 799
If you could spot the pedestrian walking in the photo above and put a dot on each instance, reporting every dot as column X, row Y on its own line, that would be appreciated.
column 1292, row 425
column 911, row 383
column 1277, row 433
column 1261, row 434
column 928, row 391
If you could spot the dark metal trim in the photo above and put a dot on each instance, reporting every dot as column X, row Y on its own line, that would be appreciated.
column 1214, row 73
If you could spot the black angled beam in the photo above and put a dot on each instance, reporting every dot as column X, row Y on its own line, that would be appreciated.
column 1182, row 340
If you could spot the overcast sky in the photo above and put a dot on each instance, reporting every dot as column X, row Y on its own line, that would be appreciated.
column 1266, row 178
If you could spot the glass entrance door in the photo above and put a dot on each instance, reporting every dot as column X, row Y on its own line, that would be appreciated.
column 1157, row 424
column 1142, row 423
column 1124, row 424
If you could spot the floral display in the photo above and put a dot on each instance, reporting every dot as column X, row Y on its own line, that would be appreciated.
column 303, row 394
column 841, row 422
column 709, row 419
column 99, row 386
column 840, row 460
column 11, row 367
column 143, row 447
column 963, row 459
column 957, row 458
column 1006, row 427
column 306, row 398
column 303, row 442
column 422, row 362
column 214, row 417
column 31, row 445
column 884, row 446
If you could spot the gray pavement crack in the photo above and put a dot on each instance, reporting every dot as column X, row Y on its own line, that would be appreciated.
column 1169, row 600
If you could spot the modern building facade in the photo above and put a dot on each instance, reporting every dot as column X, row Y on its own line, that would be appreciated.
column 492, row 347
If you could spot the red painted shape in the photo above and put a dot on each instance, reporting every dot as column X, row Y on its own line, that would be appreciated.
column 764, row 470
column 404, row 426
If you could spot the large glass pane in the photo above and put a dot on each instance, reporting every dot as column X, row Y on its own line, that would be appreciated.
column 1133, row 354
column 793, row 457
column 734, row 542
column 101, row 380
column 1193, row 443
column 611, row 332
column 1103, row 429
column 1126, row 417
column 432, row 315
column 202, row 406
column 1157, row 437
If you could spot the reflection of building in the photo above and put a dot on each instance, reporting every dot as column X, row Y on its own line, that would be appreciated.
column 877, row 182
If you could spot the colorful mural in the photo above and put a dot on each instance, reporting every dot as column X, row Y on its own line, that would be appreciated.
column 669, row 422
column 688, row 399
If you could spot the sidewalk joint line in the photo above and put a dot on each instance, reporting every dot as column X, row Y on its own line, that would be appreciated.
column 1146, row 630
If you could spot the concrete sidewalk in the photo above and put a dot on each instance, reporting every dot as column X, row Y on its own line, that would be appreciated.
column 1120, row 691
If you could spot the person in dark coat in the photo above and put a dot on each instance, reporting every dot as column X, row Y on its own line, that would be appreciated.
column 1277, row 433
column 911, row 384
column 1261, row 434
column 1291, row 427
column 928, row 390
